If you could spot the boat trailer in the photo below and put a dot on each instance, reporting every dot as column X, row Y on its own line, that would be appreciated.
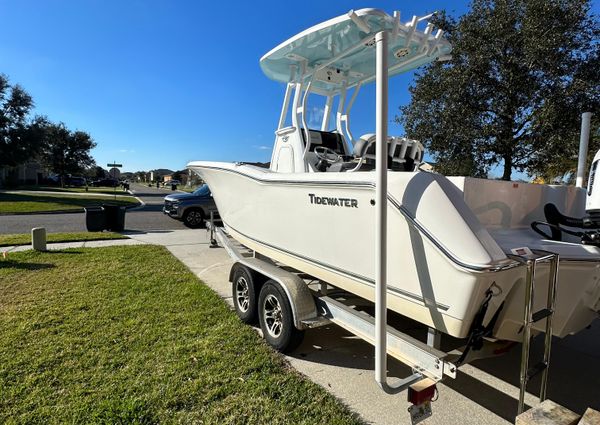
column 302, row 302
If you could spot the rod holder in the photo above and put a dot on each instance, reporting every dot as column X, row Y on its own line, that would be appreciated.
column 360, row 22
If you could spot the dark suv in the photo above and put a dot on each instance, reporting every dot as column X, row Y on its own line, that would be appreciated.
column 105, row 183
column 192, row 208
column 75, row 181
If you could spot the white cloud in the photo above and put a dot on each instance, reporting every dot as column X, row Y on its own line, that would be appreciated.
column 262, row 147
column 126, row 151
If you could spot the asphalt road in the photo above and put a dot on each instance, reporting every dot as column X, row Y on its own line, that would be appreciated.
column 149, row 217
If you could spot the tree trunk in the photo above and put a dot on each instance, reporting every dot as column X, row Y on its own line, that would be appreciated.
column 508, row 163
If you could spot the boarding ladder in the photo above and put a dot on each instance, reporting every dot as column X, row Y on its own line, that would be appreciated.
column 531, row 259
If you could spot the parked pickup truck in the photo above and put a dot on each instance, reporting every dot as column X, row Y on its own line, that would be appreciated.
column 191, row 208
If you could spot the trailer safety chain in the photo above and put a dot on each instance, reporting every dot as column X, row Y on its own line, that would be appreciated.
column 478, row 330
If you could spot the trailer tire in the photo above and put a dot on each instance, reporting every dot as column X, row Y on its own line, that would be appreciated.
column 276, row 319
column 243, row 292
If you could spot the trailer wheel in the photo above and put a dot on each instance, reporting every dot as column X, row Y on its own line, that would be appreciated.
column 276, row 319
column 243, row 292
column 193, row 218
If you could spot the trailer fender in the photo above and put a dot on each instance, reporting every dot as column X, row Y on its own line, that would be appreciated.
column 301, row 299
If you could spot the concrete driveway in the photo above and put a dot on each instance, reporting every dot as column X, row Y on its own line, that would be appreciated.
column 484, row 392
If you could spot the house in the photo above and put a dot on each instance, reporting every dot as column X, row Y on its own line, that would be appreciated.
column 30, row 172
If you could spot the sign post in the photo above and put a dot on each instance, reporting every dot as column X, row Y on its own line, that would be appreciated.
column 114, row 173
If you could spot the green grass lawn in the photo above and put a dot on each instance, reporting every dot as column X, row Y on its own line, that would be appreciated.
column 25, row 238
column 129, row 335
column 100, row 190
column 27, row 203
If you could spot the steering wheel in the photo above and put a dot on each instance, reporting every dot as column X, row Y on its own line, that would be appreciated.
column 328, row 155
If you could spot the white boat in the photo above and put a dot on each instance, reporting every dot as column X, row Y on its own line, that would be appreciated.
column 453, row 244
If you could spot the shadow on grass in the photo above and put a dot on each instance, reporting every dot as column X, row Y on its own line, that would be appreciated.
column 10, row 264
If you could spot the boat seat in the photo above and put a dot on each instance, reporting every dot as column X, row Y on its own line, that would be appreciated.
column 403, row 154
column 364, row 151
column 361, row 147
column 406, row 154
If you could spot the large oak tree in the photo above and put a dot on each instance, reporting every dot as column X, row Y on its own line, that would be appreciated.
column 521, row 74
column 65, row 151
column 20, row 137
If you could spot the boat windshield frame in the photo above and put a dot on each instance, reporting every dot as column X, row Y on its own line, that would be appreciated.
column 302, row 76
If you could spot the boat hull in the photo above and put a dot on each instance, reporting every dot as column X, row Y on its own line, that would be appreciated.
column 323, row 225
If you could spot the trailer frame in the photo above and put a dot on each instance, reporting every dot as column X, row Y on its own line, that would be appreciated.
column 312, row 308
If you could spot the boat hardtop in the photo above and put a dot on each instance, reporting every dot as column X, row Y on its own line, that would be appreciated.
column 340, row 51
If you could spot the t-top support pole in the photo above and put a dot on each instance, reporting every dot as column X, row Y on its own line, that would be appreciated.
column 381, row 117
column 583, row 147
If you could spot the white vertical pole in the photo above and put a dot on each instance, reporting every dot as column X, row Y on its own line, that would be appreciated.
column 284, row 107
column 295, row 104
column 381, row 117
column 340, row 109
column 326, row 114
column 583, row 147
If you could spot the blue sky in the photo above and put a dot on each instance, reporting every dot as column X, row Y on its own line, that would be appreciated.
column 160, row 83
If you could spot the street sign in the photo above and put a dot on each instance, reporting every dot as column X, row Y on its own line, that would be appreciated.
column 114, row 173
column 114, row 165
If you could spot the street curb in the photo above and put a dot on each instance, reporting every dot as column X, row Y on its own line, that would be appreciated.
column 142, row 203
column 73, row 211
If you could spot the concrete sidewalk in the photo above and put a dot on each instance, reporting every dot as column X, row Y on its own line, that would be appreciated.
column 343, row 364
column 57, row 246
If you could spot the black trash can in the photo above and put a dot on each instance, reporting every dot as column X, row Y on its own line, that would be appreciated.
column 173, row 187
column 95, row 219
column 115, row 217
